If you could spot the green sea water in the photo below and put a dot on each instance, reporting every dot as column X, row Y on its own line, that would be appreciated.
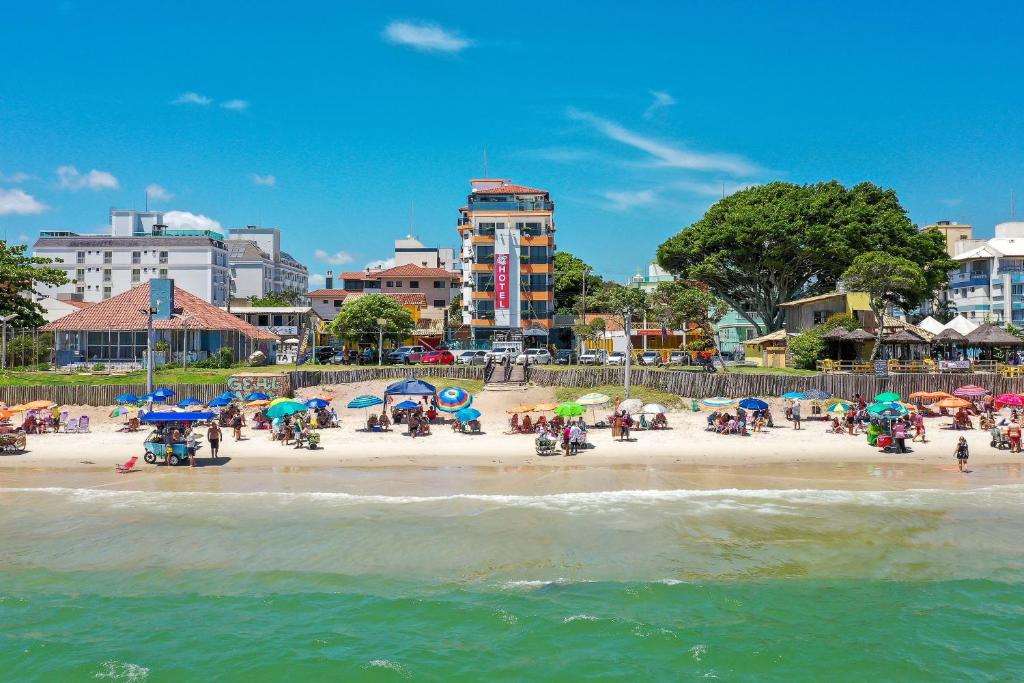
column 788, row 585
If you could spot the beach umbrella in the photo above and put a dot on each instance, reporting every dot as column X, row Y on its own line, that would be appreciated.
column 226, row 396
column 630, row 405
column 317, row 403
column 189, row 402
column 522, row 409
column 953, row 402
column 1013, row 400
column 753, row 404
column 887, row 397
column 256, row 396
column 545, row 407
column 717, row 402
column 365, row 401
column 257, row 404
column 467, row 414
column 123, row 410
column 654, row 409
column 4, row 413
column 453, row 399
column 407, row 405
column 126, row 398
column 17, row 408
column 819, row 395
column 839, row 407
column 41, row 404
column 970, row 391
column 219, row 402
column 410, row 387
column 593, row 399
column 569, row 409
column 794, row 395
column 285, row 407
column 163, row 393
column 887, row 410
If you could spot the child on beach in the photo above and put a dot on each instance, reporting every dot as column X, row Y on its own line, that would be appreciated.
column 961, row 453
column 919, row 427
column 796, row 415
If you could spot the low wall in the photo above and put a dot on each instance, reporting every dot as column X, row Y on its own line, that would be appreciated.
column 99, row 394
column 704, row 385
column 367, row 374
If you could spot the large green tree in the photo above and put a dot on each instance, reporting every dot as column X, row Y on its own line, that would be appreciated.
column 288, row 297
column 571, row 273
column 358, row 320
column 19, row 275
column 768, row 244
column 887, row 279
column 675, row 304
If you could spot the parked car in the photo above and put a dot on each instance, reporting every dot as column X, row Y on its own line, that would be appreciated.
column 343, row 357
column 324, row 356
column 535, row 356
column 504, row 352
column 406, row 354
column 566, row 357
column 471, row 357
column 617, row 358
column 679, row 358
column 649, row 358
column 594, row 357
column 367, row 357
column 441, row 357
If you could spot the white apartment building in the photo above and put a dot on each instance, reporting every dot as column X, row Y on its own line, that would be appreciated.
column 259, row 266
column 409, row 251
column 137, row 248
column 990, row 283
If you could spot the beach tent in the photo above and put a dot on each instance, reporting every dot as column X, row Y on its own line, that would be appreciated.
column 932, row 325
column 961, row 325
column 410, row 387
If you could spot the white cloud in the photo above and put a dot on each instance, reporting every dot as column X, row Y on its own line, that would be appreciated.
column 386, row 263
column 158, row 192
column 665, row 154
column 23, row 238
column 661, row 100
column 18, row 202
column 317, row 279
column 70, row 179
column 193, row 98
column 185, row 220
column 425, row 37
column 711, row 189
column 235, row 105
column 336, row 259
column 265, row 180
column 621, row 201
column 15, row 178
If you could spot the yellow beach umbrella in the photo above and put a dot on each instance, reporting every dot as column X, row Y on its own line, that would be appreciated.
column 41, row 404
column 545, row 407
column 19, row 408
column 259, row 403
column 520, row 409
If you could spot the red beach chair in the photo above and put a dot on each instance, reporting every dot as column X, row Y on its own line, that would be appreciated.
column 128, row 466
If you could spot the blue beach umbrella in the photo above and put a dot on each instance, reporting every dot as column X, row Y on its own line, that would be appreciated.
column 317, row 403
column 163, row 393
column 887, row 411
column 407, row 405
column 257, row 396
column 219, row 402
column 365, row 401
column 753, row 404
column 227, row 396
column 817, row 395
column 190, row 402
column 126, row 398
column 467, row 414
column 794, row 395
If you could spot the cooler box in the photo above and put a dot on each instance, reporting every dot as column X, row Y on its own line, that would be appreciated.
column 884, row 441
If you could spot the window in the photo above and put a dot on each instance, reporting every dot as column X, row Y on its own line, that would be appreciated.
column 163, row 272
column 389, row 283
column 484, row 253
column 106, row 275
column 439, row 303
column 337, row 303
column 80, row 257
column 108, row 257
column 439, row 284
column 136, row 275
column 80, row 275
column 136, row 258
column 163, row 257
column 80, row 290
column 414, row 284
column 324, row 300
column 820, row 317
column 484, row 282
column 1018, row 290
column 106, row 292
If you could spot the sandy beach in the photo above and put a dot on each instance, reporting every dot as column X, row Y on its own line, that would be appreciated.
column 685, row 456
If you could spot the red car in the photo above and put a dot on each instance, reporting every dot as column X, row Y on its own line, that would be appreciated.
column 437, row 358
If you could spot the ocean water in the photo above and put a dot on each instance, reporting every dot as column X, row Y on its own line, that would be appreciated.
column 732, row 585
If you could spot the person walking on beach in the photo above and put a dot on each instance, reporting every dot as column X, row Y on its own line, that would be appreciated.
column 796, row 415
column 575, row 434
column 236, row 425
column 213, row 438
column 899, row 435
column 961, row 453
column 919, row 427
column 1013, row 432
column 627, row 423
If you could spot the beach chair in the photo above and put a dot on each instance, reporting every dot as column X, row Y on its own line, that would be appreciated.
column 128, row 466
column 83, row 424
column 71, row 426
column 64, row 417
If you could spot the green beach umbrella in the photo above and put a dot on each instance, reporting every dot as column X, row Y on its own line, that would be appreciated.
column 286, row 407
column 887, row 397
column 569, row 409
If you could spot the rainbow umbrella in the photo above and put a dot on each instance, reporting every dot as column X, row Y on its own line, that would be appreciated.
column 123, row 410
column 453, row 399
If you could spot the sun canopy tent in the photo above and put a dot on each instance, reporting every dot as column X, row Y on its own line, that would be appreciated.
column 932, row 325
column 411, row 387
column 961, row 325
column 177, row 417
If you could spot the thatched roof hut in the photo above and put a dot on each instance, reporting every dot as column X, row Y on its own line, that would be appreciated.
column 836, row 334
column 993, row 335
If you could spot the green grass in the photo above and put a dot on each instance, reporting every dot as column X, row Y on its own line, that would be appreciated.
column 162, row 376
column 738, row 369
column 645, row 394
column 473, row 386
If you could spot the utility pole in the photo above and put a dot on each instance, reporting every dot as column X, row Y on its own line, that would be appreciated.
column 381, row 322
column 644, row 333
column 627, row 320
column 583, row 321
column 149, row 349
column 5, row 319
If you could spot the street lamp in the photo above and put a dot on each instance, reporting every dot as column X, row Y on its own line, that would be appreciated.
column 185, row 317
column 3, row 358
column 381, row 322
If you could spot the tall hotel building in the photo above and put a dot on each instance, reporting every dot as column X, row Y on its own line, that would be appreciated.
column 508, row 248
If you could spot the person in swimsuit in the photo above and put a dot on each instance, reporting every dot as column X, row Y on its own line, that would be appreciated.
column 961, row 453
column 213, row 438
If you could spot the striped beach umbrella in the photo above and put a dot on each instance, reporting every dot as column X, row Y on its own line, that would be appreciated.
column 819, row 395
column 717, row 402
column 593, row 399
column 453, row 399
column 365, row 401
column 839, row 408
column 970, row 391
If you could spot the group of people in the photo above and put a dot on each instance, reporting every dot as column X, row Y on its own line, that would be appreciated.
column 572, row 435
column 741, row 423
column 189, row 435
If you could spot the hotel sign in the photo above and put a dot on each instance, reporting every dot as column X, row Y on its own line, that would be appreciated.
column 501, row 281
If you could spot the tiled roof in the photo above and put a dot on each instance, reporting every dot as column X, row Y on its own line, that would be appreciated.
column 355, row 275
column 78, row 304
column 410, row 270
column 125, row 312
column 341, row 293
column 510, row 189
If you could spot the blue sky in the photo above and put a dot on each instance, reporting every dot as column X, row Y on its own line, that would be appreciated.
column 342, row 123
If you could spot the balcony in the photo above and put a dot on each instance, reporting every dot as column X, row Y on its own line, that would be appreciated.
column 511, row 206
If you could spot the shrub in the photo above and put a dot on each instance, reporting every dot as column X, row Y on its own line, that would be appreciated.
column 98, row 367
column 162, row 346
column 807, row 348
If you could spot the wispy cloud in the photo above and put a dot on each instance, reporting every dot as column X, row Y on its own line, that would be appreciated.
column 20, row 203
column 425, row 37
column 661, row 100
column 665, row 154
column 629, row 199
column 68, row 178
column 15, row 178
column 558, row 154
column 23, row 238
column 317, row 279
column 235, row 105
column 264, row 180
column 711, row 188
column 193, row 98
column 158, row 193
column 186, row 220
column 338, row 258
column 381, row 263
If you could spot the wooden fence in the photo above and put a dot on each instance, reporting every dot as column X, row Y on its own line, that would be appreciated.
column 367, row 374
column 99, row 394
column 704, row 385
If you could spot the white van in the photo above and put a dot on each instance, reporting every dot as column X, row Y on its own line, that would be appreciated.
column 504, row 352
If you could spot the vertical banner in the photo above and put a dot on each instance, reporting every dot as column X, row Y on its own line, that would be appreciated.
column 501, row 289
